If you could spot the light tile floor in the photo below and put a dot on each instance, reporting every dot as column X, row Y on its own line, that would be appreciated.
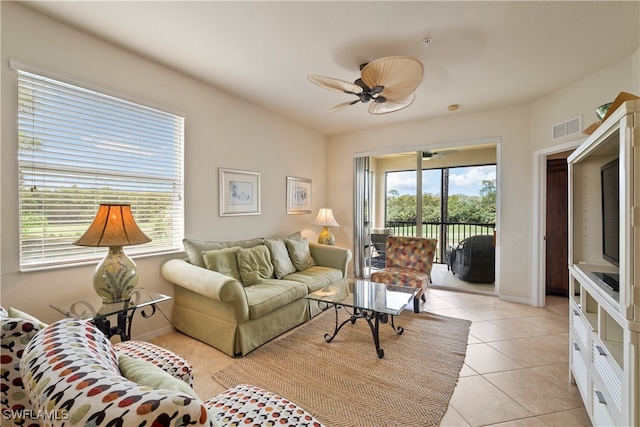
column 516, row 369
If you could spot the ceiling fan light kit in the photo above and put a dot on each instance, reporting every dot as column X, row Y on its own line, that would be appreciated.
column 389, row 82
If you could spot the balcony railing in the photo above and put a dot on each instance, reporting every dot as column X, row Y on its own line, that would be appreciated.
column 447, row 233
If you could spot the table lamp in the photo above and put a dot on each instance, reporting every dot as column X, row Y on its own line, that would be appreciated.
column 116, row 276
column 326, row 219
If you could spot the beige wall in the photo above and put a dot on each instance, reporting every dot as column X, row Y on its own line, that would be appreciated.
column 220, row 131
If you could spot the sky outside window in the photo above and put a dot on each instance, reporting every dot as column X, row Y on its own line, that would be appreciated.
column 462, row 180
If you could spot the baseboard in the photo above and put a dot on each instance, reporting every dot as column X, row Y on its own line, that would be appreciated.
column 519, row 300
column 155, row 333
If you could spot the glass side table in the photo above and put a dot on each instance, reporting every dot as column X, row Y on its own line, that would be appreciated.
column 93, row 309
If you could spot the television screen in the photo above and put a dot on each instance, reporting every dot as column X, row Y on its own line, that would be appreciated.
column 609, row 174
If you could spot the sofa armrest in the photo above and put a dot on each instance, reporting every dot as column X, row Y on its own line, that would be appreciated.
column 208, row 283
column 16, row 334
column 331, row 256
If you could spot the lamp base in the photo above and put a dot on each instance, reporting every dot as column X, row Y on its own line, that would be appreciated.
column 116, row 276
column 326, row 238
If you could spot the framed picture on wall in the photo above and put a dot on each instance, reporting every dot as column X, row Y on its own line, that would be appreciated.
column 239, row 192
column 298, row 195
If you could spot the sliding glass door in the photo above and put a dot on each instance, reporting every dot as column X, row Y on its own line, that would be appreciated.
column 446, row 197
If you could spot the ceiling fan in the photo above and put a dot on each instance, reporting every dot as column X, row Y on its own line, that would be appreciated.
column 428, row 155
column 388, row 83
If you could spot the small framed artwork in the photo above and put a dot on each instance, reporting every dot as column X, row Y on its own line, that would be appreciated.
column 298, row 195
column 239, row 192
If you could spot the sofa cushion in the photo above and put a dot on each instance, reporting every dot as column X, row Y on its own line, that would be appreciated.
column 280, row 259
column 271, row 295
column 254, row 265
column 248, row 243
column 194, row 249
column 299, row 253
column 144, row 373
column 316, row 277
column 223, row 261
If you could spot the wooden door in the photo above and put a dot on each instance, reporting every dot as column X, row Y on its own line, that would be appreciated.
column 557, row 270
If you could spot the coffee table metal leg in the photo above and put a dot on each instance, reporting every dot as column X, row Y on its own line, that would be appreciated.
column 375, row 331
column 352, row 319
column 398, row 330
column 373, row 319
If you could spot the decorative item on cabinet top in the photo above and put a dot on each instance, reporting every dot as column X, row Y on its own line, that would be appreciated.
column 612, row 106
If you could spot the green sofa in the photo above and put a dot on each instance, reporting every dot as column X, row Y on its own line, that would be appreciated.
column 236, row 296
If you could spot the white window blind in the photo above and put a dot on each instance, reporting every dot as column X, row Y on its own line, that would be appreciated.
column 79, row 148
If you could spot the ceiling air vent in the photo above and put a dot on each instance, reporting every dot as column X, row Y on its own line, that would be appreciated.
column 567, row 128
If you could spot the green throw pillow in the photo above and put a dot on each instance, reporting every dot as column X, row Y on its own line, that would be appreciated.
column 19, row 314
column 147, row 374
column 223, row 261
column 299, row 253
column 194, row 249
column 254, row 265
column 282, row 264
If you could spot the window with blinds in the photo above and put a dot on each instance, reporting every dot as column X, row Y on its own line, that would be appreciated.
column 79, row 148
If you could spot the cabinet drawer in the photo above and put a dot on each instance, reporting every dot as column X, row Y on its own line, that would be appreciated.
column 604, row 411
column 580, row 326
column 579, row 360
column 608, row 372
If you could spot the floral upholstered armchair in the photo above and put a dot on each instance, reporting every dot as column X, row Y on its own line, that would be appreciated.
column 409, row 263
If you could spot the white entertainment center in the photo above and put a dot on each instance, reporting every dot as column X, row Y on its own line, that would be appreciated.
column 605, row 321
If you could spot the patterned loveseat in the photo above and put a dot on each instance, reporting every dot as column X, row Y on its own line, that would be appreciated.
column 74, row 377
column 18, row 328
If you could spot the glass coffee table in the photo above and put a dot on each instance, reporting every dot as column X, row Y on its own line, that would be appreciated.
column 92, row 308
column 375, row 302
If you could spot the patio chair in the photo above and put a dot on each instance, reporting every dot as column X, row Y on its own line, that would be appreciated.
column 379, row 243
column 409, row 262
column 474, row 259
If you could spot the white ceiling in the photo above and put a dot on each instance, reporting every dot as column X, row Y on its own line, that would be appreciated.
column 483, row 54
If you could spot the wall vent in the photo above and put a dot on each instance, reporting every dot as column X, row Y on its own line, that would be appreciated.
column 567, row 128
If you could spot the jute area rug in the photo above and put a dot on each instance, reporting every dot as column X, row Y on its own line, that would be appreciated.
column 344, row 383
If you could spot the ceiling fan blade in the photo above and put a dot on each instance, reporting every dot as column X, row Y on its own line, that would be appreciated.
column 340, row 106
column 391, row 105
column 428, row 155
column 336, row 85
column 400, row 75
